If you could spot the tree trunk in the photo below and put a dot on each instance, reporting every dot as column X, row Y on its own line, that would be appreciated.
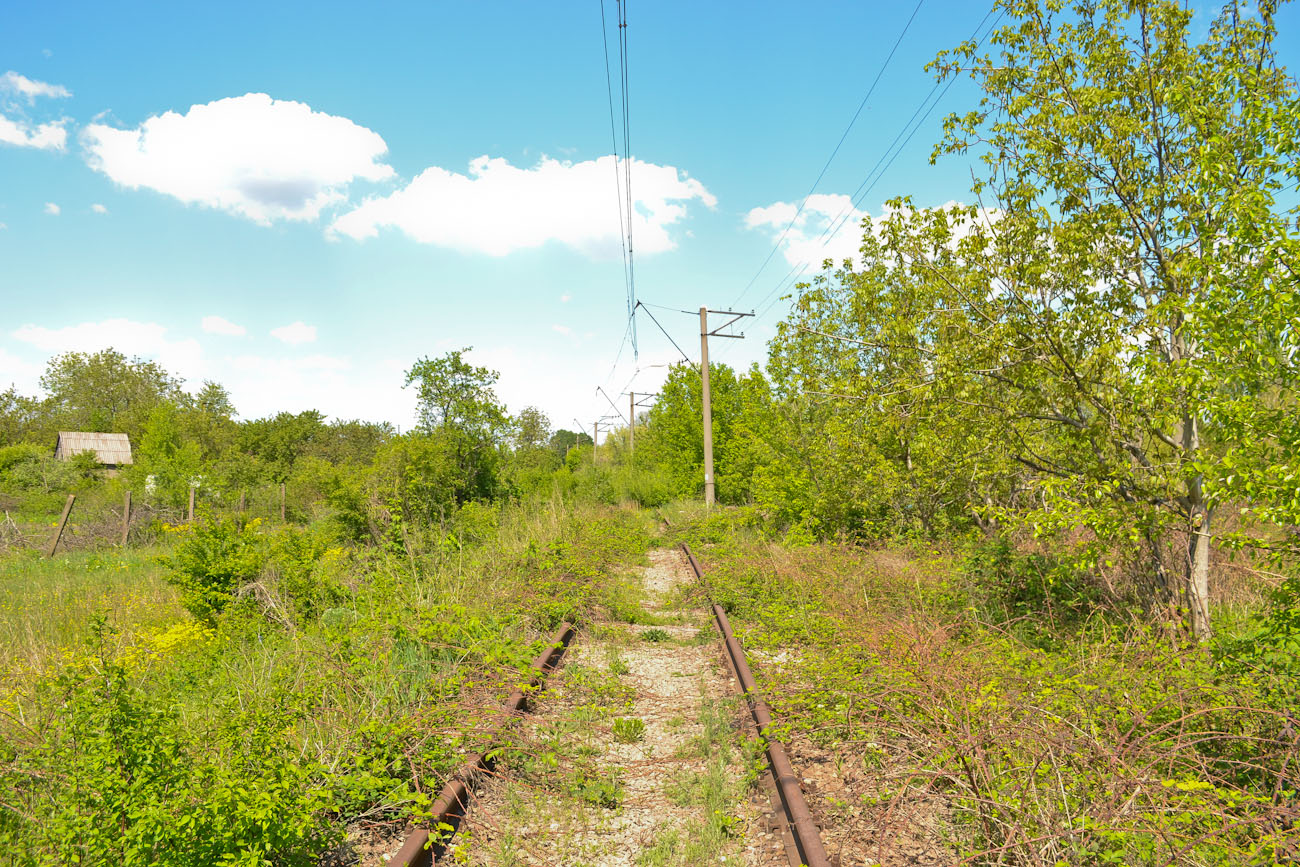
column 1196, row 582
column 1163, row 592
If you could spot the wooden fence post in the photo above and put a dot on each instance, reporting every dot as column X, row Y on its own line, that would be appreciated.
column 242, row 503
column 189, row 516
column 126, row 516
column 63, row 522
column 282, row 502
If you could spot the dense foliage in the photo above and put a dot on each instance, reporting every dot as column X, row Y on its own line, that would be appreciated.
column 1101, row 352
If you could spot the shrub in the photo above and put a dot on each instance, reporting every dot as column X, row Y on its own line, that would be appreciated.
column 212, row 561
column 1006, row 584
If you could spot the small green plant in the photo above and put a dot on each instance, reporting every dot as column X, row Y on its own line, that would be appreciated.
column 655, row 635
column 617, row 665
column 629, row 730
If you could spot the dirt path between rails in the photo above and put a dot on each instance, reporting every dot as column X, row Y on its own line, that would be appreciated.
column 632, row 757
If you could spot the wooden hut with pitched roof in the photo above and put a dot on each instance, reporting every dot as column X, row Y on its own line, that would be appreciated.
column 113, row 450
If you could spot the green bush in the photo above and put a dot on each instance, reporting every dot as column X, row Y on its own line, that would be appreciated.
column 1007, row 585
column 212, row 561
column 122, row 781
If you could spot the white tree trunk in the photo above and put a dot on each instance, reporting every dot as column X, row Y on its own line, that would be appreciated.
column 1196, row 584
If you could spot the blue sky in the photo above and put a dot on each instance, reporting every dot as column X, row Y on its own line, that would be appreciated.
column 299, row 200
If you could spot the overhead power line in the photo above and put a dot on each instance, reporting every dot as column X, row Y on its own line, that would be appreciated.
column 624, row 64
column 901, row 139
column 613, row 137
column 863, row 104
column 686, row 357
column 623, row 179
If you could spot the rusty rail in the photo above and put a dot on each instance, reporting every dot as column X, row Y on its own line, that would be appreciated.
column 420, row 848
column 807, row 838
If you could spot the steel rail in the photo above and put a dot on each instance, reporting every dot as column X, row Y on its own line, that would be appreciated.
column 420, row 849
column 807, row 838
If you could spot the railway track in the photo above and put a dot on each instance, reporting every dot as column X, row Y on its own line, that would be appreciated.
column 789, row 815
column 421, row 849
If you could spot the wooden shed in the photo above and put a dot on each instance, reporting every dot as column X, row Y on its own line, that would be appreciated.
column 110, row 449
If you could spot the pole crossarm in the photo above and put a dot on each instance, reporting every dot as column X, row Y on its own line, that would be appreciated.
column 735, row 317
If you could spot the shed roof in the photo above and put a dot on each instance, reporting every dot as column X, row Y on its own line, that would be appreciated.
column 109, row 448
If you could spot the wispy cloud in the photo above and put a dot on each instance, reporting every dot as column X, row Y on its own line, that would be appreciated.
column 221, row 325
column 828, row 227
column 295, row 333
column 47, row 136
column 52, row 209
column 30, row 89
column 145, row 339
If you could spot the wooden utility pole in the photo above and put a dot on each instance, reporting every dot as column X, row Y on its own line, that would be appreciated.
column 126, row 516
column 706, row 406
column 633, row 406
column 282, row 519
column 189, row 514
column 63, row 522
column 242, row 502
column 705, row 397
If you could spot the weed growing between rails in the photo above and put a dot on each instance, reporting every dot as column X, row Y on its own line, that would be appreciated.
column 929, row 734
column 632, row 756
column 316, row 708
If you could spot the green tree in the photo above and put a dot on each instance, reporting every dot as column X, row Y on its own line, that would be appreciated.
column 456, row 403
column 350, row 441
column 673, row 444
column 22, row 419
column 1136, row 287
column 877, row 441
column 166, row 463
column 278, row 441
column 532, row 429
column 106, row 391
column 563, row 440
column 452, row 394
column 208, row 418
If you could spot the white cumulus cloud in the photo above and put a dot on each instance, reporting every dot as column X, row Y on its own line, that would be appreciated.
column 182, row 356
column 52, row 209
column 254, row 156
column 295, row 333
column 497, row 208
column 828, row 227
column 20, row 85
column 223, row 326
column 98, row 208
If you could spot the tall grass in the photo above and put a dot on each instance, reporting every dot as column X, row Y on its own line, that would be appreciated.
column 48, row 604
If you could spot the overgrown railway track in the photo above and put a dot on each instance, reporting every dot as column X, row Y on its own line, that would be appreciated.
column 421, row 848
column 790, row 815
column 802, row 839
